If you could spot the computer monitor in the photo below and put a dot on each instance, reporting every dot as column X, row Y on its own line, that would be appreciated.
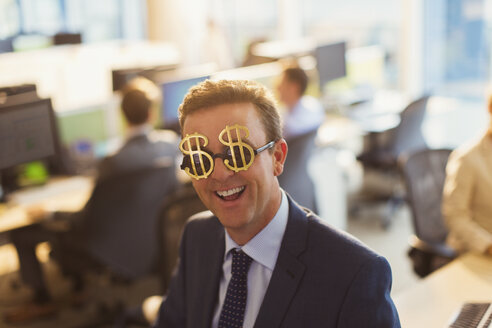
column 120, row 77
column 67, row 38
column 173, row 93
column 27, row 132
column 330, row 62
column 6, row 45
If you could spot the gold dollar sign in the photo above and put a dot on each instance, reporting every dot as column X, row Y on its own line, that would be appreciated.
column 198, row 151
column 242, row 146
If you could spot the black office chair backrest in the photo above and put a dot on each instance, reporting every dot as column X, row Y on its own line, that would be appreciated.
column 408, row 135
column 178, row 208
column 6, row 45
column 424, row 173
column 67, row 38
column 295, row 179
column 122, row 217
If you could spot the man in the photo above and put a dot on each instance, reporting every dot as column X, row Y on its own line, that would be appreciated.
column 143, row 148
column 303, row 113
column 467, row 208
column 260, row 260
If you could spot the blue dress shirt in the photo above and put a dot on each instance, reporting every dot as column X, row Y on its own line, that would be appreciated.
column 263, row 249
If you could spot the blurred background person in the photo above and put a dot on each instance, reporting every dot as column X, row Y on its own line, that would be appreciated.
column 302, row 113
column 302, row 116
column 467, row 205
column 143, row 148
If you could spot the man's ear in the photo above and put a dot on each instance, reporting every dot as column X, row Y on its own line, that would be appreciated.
column 279, row 155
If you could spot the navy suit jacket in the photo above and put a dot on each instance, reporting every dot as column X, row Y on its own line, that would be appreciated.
column 323, row 278
column 158, row 147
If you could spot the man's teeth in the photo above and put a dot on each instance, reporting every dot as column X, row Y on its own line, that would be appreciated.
column 230, row 191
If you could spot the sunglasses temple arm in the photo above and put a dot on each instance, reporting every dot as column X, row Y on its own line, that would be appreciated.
column 268, row 145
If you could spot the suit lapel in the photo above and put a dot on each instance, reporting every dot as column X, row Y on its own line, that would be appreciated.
column 288, row 271
column 209, row 275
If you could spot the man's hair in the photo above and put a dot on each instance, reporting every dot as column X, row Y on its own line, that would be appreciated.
column 139, row 95
column 214, row 93
column 297, row 75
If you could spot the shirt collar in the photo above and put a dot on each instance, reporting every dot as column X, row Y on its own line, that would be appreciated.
column 265, row 246
column 138, row 130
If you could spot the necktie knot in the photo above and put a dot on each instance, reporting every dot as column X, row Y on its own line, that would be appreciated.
column 240, row 263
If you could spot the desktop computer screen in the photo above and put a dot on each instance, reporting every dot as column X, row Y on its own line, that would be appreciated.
column 120, row 77
column 173, row 93
column 27, row 132
column 330, row 62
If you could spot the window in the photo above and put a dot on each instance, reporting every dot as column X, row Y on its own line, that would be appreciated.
column 375, row 25
column 456, row 47
column 41, row 16
column 247, row 21
column 9, row 19
column 96, row 20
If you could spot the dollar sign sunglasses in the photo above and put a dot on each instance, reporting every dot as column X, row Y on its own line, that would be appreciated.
column 198, row 163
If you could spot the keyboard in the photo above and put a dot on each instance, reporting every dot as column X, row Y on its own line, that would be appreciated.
column 54, row 188
column 474, row 315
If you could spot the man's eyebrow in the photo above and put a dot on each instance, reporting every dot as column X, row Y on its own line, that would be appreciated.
column 243, row 140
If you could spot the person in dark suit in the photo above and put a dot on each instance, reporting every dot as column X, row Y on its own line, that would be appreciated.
column 143, row 148
column 257, row 259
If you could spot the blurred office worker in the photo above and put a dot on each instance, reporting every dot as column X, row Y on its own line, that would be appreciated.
column 467, row 205
column 259, row 259
column 143, row 148
column 303, row 113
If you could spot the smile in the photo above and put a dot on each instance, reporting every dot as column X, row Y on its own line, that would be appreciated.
column 231, row 194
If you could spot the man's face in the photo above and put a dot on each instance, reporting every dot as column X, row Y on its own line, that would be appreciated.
column 247, row 200
column 288, row 91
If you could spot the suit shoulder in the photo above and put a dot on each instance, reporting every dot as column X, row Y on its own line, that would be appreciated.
column 329, row 239
column 203, row 220
column 201, row 230
column 166, row 136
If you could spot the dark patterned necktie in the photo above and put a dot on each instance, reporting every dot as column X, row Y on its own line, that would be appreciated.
column 232, row 314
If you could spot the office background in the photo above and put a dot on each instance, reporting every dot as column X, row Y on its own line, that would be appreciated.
column 409, row 47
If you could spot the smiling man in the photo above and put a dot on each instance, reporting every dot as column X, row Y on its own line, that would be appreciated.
column 258, row 259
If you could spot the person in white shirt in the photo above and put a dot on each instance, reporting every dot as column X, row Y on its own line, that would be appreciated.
column 302, row 113
column 467, row 200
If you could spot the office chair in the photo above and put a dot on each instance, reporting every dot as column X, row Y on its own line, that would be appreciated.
column 295, row 179
column 177, row 209
column 6, row 45
column 120, row 223
column 382, row 157
column 424, row 173
column 122, row 216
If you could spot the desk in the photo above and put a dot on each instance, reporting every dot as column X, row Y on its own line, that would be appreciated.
column 59, row 194
column 433, row 301
column 381, row 113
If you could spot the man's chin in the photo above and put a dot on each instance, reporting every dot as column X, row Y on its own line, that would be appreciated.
column 231, row 221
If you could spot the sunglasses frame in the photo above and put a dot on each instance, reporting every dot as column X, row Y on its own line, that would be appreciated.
column 223, row 155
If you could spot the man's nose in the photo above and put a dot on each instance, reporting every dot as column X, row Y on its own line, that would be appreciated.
column 220, row 171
